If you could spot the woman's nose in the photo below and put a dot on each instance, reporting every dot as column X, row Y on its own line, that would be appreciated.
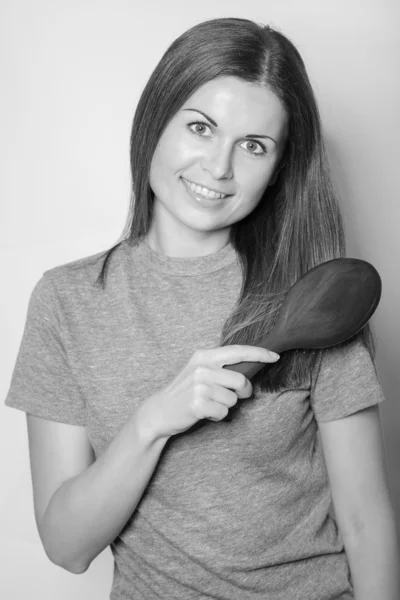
column 218, row 161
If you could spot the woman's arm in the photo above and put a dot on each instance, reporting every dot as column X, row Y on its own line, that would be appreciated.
column 355, row 460
column 374, row 559
column 88, row 510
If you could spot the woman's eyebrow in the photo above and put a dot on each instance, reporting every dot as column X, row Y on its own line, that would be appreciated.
column 250, row 135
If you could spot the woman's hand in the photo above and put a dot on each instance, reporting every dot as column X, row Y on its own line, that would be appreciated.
column 202, row 390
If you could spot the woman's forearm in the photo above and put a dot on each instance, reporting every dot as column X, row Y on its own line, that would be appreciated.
column 373, row 556
column 88, row 511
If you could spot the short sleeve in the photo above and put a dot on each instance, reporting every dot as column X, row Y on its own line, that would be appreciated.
column 42, row 382
column 346, row 382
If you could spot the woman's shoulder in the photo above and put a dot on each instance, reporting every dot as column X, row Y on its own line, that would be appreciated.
column 80, row 268
column 346, row 355
column 76, row 279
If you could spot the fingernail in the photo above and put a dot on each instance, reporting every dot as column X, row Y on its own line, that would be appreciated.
column 274, row 354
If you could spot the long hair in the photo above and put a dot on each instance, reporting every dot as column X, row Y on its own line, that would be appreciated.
column 297, row 224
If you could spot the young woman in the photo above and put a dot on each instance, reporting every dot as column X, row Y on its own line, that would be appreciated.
column 120, row 369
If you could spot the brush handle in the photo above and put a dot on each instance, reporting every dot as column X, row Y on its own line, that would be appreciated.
column 272, row 341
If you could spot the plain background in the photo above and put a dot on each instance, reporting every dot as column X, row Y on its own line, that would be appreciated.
column 71, row 76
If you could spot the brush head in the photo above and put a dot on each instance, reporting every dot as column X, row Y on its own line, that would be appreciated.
column 326, row 306
column 329, row 304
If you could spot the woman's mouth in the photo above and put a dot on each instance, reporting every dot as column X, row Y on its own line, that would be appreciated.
column 203, row 196
column 198, row 189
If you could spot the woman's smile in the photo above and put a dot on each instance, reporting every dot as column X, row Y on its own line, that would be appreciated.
column 207, row 201
column 204, row 190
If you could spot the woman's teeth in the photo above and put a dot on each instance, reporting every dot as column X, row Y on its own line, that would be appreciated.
column 203, row 191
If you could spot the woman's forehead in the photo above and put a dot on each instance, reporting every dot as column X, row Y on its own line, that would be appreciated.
column 234, row 103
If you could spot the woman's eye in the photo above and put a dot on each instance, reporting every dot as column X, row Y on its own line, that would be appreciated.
column 255, row 144
column 198, row 124
column 203, row 125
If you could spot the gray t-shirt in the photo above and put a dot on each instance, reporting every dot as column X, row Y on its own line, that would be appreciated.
column 235, row 510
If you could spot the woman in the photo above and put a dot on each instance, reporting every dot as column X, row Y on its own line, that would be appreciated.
column 120, row 369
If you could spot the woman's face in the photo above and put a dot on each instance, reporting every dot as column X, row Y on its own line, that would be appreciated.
column 235, row 150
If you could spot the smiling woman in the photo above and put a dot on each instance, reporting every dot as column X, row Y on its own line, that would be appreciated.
column 120, row 369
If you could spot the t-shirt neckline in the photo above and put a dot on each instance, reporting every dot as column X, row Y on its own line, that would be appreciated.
column 173, row 265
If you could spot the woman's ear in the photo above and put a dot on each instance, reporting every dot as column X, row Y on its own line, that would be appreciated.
column 275, row 174
column 273, row 178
